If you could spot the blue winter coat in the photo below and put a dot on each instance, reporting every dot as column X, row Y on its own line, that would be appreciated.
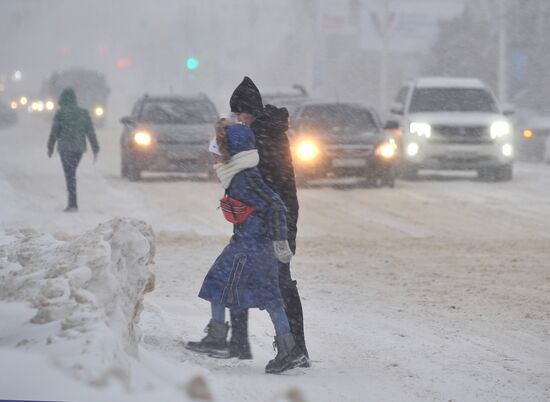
column 246, row 274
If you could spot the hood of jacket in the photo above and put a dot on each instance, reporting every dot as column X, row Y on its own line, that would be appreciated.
column 67, row 98
column 246, row 98
column 239, row 138
column 273, row 120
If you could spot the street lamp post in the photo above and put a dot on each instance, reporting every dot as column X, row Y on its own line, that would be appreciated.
column 502, row 51
column 385, row 29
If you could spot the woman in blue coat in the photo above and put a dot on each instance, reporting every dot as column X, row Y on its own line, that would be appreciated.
column 245, row 275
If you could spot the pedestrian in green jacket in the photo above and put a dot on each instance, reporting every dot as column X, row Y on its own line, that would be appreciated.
column 71, row 126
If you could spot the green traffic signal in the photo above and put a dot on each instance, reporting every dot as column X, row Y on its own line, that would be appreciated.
column 192, row 63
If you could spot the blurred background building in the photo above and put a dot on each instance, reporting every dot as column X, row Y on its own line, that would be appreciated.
column 359, row 50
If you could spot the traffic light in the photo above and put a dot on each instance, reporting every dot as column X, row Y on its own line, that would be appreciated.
column 192, row 63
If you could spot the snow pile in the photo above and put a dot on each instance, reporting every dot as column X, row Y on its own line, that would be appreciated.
column 77, row 301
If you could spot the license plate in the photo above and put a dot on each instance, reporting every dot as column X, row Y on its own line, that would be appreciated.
column 463, row 155
column 348, row 162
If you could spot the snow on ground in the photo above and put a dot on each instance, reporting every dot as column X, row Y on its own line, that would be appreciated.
column 70, row 312
column 436, row 290
column 82, row 292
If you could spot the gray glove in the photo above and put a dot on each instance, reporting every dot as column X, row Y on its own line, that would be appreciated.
column 282, row 251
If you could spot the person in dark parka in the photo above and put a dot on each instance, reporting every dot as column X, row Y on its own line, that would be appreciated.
column 270, row 125
column 245, row 275
column 71, row 126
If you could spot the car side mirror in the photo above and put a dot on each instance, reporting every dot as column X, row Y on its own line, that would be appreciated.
column 391, row 125
column 397, row 108
column 128, row 121
column 508, row 109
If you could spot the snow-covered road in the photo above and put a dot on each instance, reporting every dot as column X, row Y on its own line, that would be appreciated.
column 436, row 290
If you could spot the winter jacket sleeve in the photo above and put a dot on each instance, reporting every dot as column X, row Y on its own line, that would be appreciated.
column 90, row 132
column 268, row 205
column 54, row 133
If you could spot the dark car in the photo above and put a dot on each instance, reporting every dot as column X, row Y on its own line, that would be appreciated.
column 532, row 137
column 91, row 90
column 341, row 139
column 8, row 117
column 167, row 134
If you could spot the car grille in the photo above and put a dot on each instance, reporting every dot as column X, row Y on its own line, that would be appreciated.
column 349, row 151
column 461, row 135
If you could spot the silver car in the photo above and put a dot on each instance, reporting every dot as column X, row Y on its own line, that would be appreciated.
column 456, row 124
column 167, row 134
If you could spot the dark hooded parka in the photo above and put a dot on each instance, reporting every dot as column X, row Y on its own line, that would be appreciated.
column 270, row 127
column 71, row 126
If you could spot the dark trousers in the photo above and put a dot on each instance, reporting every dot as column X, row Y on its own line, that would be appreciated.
column 70, row 161
column 293, row 305
column 293, row 308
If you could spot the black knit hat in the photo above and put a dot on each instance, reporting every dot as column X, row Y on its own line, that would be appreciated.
column 246, row 98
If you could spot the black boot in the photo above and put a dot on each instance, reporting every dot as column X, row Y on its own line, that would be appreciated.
column 72, row 205
column 293, row 308
column 214, row 341
column 289, row 355
column 239, row 346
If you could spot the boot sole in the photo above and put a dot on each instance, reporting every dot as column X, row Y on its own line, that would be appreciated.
column 305, row 364
column 227, row 355
column 204, row 351
column 221, row 354
column 296, row 363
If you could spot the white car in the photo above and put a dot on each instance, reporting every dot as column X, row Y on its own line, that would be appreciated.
column 454, row 124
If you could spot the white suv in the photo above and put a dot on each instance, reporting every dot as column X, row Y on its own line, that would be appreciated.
column 454, row 124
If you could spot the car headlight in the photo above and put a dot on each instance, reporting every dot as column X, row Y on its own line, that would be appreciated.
column 99, row 111
column 143, row 138
column 307, row 150
column 386, row 150
column 507, row 150
column 50, row 105
column 500, row 129
column 421, row 129
column 412, row 149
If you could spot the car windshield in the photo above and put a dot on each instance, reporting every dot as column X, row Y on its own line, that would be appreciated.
column 178, row 111
column 452, row 100
column 334, row 118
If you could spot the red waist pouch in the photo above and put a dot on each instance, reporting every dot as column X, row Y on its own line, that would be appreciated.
column 235, row 211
